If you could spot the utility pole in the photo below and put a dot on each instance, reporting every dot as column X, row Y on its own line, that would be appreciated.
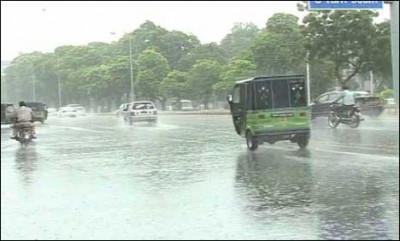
column 394, row 16
column 59, row 82
column 371, row 83
column 130, row 58
column 34, row 87
column 308, row 78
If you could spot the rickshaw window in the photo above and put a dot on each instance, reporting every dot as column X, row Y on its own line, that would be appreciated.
column 236, row 94
column 263, row 95
column 281, row 94
column 297, row 94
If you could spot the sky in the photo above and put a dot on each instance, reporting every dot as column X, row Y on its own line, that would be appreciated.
column 43, row 26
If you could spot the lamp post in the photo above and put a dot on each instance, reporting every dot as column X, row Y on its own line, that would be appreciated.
column 59, row 83
column 130, row 58
column 3, row 80
column 394, row 37
column 34, row 87
column 308, row 78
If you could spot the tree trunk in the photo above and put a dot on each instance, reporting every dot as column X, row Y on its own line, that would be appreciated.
column 205, row 103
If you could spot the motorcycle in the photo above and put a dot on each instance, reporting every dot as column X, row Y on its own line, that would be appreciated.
column 349, row 117
column 24, row 135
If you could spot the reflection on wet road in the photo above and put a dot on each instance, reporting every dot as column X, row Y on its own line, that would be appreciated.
column 191, row 177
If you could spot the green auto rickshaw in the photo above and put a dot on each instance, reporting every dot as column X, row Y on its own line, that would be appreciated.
column 270, row 109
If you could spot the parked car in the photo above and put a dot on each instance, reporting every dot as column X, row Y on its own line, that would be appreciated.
column 80, row 110
column 185, row 105
column 140, row 111
column 39, row 110
column 368, row 104
column 67, row 111
column 6, row 110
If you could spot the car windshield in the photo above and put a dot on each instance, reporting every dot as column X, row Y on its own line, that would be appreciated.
column 142, row 106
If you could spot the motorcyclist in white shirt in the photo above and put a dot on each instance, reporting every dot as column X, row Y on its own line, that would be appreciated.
column 347, row 100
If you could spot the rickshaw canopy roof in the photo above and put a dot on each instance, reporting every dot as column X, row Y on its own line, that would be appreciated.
column 266, row 78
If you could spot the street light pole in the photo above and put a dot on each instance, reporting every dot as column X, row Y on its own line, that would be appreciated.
column 4, row 87
column 59, row 83
column 130, row 57
column 59, row 91
column 34, row 87
column 394, row 15
column 371, row 83
column 33, row 83
column 308, row 78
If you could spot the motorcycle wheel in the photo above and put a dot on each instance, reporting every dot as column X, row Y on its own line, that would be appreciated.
column 333, row 120
column 355, row 121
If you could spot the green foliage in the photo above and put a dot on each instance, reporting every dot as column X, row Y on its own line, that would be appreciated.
column 240, row 39
column 175, row 85
column 176, row 44
column 153, row 68
column 280, row 48
column 386, row 93
column 173, row 64
column 203, row 75
column 382, row 62
column 238, row 69
column 321, row 77
column 344, row 37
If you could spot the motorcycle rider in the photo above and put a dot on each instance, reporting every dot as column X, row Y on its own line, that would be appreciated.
column 347, row 101
column 23, row 116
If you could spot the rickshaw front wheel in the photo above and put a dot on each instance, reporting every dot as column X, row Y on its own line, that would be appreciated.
column 251, row 141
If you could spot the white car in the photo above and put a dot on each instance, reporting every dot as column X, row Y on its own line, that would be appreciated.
column 52, row 112
column 187, row 105
column 67, row 111
column 141, row 111
column 80, row 110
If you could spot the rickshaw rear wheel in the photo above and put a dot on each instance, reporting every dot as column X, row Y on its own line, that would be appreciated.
column 302, row 141
column 251, row 141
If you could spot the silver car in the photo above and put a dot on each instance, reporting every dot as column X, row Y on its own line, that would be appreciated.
column 80, row 110
column 141, row 111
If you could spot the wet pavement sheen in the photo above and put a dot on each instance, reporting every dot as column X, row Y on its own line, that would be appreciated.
column 191, row 177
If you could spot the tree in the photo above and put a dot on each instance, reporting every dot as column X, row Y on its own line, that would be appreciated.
column 210, row 51
column 176, row 44
column 239, row 39
column 153, row 68
column 321, row 77
column 203, row 75
column 382, row 62
column 175, row 85
column 147, row 35
column 345, row 38
column 238, row 69
column 23, row 75
column 279, row 49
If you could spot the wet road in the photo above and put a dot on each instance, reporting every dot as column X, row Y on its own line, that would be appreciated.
column 191, row 177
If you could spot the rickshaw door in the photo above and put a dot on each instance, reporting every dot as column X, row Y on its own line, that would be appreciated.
column 238, row 108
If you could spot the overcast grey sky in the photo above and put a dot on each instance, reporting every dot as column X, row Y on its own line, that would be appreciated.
column 42, row 26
